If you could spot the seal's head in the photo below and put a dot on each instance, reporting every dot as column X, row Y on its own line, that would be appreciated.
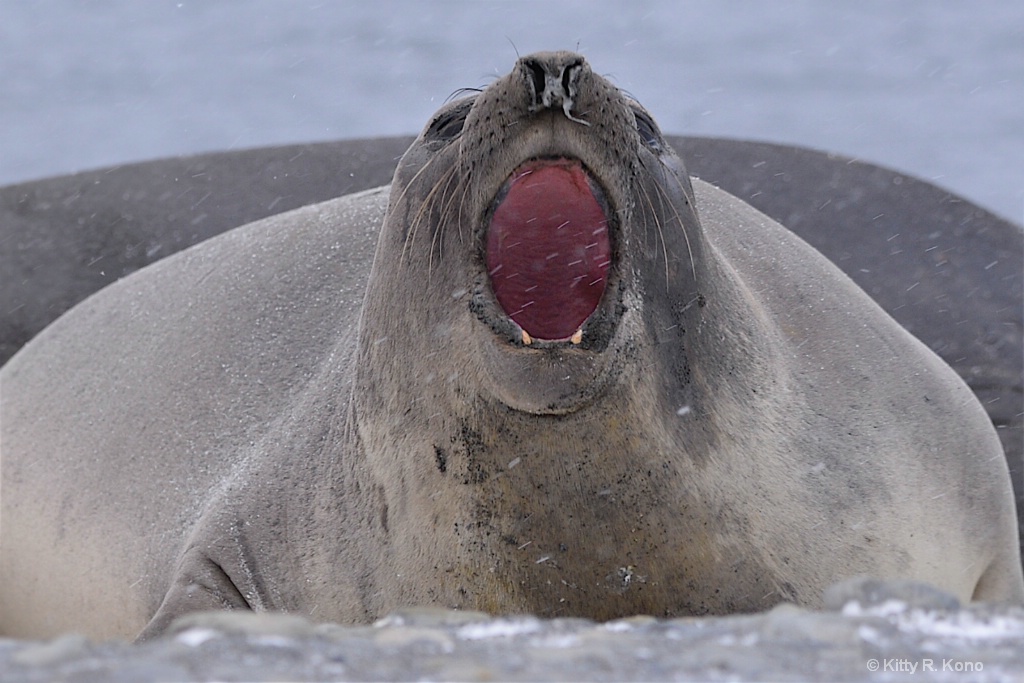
column 540, row 226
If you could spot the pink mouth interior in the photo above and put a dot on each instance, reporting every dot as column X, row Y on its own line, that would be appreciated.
column 548, row 249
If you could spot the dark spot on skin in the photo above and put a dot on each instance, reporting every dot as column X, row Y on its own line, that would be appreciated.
column 477, row 474
column 441, row 458
column 472, row 439
column 468, row 446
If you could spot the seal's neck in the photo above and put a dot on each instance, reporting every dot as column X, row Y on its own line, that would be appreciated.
column 597, row 513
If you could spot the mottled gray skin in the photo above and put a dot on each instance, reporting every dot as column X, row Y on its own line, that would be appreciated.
column 266, row 421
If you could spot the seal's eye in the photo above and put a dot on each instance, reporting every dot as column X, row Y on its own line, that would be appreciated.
column 648, row 130
column 448, row 122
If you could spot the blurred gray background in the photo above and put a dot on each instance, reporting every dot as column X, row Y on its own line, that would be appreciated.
column 930, row 87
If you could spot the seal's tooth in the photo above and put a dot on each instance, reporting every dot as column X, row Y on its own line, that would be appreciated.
column 577, row 336
column 527, row 339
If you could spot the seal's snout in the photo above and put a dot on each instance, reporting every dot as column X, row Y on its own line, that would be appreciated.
column 547, row 206
column 548, row 249
column 553, row 78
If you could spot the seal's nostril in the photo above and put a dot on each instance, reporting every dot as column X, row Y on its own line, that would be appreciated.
column 569, row 75
column 537, row 75
column 554, row 82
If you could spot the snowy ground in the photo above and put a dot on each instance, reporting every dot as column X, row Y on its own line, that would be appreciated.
column 872, row 631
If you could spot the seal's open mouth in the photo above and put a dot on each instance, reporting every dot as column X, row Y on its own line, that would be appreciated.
column 548, row 248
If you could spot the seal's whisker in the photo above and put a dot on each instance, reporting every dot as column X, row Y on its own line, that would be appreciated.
column 456, row 200
column 514, row 48
column 425, row 209
column 462, row 91
column 411, row 230
column 682, row 223
column 460, row 164
column 462, row 205
column 657, row 223
column 687, row 193
column 627, row 95
column 410, row 235
column 679, row 218
column 438, row 237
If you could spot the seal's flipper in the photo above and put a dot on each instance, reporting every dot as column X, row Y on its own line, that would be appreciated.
column 199, row 584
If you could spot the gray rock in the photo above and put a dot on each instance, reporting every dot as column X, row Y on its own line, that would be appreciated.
column 876, row 631
column 869, row 592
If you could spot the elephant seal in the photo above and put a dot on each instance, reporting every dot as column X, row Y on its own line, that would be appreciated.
column 947, row 270
column 282, row 418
